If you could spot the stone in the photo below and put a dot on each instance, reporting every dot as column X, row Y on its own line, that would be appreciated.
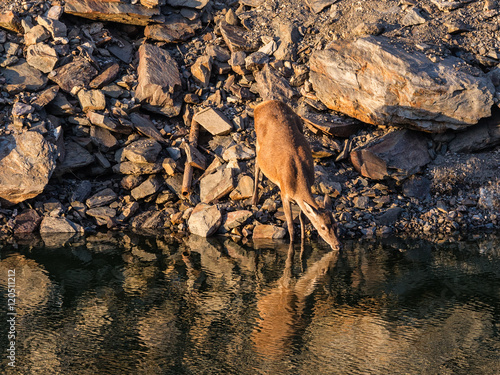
column 107, row 76
column 175, row 29
column 22, row 76
column 256, row 61
column 318, row 5
column 128, row 211
column 103, row 139
column 332, row 124
column 59, row 225
column 112, row 11
column 45, row 97
column 42, row 57
column 105, row 122
column 21, row 109
column 142, row 151
column 27, row 162
column 60, row 105
column 205, row 220
column 271, row 85
column 484, row 135
column 76, row 157
column 237, row 38
column 101, row 198
column 77, row 73
column 233, row 220
column 288, row 39
column 489, row 196
column 169, row 165
column 448, row 5
column 151, row 186
column 214, row 121
column 238, row 152
column 55, row 27
column 413, row 18
column 389, row 217
column 244, row 189
column 361, row 202
column 91, row 100
column 238, row 62
column 36, row 34
column 196, row 4
column 122, row 49
column 55, row 12
column 398, row 154
column 219, row 53
column 378, row 83
column 10, row 21
column 417, row 187
column 201, row 70
column 262, row 231
column 153, row 3
column 81, row 191
column 27, row 222
column 102, row 215
column 216, row 185
column 159, row 80
column 146, row 127
column 131, row 168
column 149, row 220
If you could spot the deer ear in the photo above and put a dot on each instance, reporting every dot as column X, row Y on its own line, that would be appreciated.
column 327, row 202
column 309, row 208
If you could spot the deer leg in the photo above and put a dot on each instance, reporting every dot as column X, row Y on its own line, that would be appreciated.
column 255, row 197
column 302, row 233
column 287, row 208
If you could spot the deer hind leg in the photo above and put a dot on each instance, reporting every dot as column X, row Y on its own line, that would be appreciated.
column 287, row 208
column 255, row 197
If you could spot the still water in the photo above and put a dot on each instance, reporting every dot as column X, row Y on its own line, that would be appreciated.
column 127, row 304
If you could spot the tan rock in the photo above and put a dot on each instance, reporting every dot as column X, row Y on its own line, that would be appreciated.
column 91, row 100
column 214, row 121
column 205, row 220
column 201, row 70
column 268, row 232
column 77, row 73
column 10, row 21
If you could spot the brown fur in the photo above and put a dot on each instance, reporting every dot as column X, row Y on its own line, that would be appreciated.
column 284, row 156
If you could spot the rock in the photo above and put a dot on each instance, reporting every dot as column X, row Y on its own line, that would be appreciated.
column 149, row 220
column 27, row 222
column 153, row 3
column 318, row 5
column 112, row 11
column 448, row 5
column 233, row 220
column 389, row 217
column 196, row 4
column 36, row 34
column 75, row 157
column 27, row 162
column 45, row 97
column 273, row 86
column 484, row 135
column 142, row 151
column 91, row 100
column 151, row 186
column 221, row 54
column 214, row 121
column 103, row 139
column 237, row 38
column 169, row 165
column 332, row 124
column 417, row 187
column 10, row 21
column 146, row 127
column 238, row 63
column 244, row 189
column 361, row 202
column 131, row 168
column 398, row 154
column 56, row 28
column 77, row 73
column 107, row 123
column 216, row 185
column 205, row 220
column 102, row 198
column 238, row 152
column 489, row 197
column 122, row 49
column 55, row 12
column 378, row 83
column 268, row 232
column 413, row 18
column 256, row 61
column 103, row 215
column 59, row 225
column 21, row 109
column 288, row 38
column 81, row 191
column 175, row 29
column 107, row 76
column 201, row 70
column 22, row 76
column 159, row 80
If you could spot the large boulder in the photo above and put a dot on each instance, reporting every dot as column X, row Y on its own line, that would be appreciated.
column 379, row 83
column 27, row 161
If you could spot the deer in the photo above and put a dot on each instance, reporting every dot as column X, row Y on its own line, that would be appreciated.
column 284, row 157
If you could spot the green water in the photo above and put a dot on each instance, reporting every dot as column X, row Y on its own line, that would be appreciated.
column 125, row 304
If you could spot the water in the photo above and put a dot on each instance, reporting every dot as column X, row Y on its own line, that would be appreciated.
column 124, row 304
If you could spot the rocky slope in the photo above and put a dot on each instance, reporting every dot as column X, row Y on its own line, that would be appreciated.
column 138, row 114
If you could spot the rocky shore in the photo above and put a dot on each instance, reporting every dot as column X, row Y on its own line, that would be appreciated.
column 138, row 115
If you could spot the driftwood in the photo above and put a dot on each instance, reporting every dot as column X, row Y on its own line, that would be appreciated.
column 188, row 169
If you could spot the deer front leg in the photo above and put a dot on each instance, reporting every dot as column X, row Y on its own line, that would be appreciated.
column 255, row 197
column 302, row 227
column 287, row 208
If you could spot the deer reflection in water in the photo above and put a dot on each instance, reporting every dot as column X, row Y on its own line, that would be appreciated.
column 281, row 308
